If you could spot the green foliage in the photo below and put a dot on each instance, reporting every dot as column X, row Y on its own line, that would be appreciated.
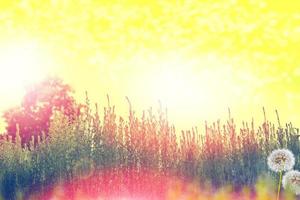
column 76, row 148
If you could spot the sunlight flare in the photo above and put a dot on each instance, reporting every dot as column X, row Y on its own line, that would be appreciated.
column 21, row 64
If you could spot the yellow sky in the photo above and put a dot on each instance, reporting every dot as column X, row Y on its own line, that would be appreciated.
column 197, row 57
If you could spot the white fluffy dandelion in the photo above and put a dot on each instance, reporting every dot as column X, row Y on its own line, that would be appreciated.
column 281, row 160
column 291, row 180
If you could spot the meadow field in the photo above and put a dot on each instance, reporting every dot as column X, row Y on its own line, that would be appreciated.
column 100, row 155
column 196, row 57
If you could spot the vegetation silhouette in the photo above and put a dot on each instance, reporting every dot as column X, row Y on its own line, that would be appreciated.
column 32, row 118
column 90, row 143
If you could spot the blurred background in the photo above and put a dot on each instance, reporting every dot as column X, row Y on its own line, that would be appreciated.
column 196, row 57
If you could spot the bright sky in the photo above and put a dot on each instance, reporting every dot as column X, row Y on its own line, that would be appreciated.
column 197, row 57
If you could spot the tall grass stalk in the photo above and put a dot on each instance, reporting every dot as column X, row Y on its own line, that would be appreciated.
column 95, row 141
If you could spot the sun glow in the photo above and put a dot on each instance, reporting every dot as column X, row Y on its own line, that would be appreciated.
column 197, row 58
column 20, row 65
column 183, row 84
column 173, row 87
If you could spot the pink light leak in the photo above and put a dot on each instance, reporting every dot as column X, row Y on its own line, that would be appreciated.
column 112, row 184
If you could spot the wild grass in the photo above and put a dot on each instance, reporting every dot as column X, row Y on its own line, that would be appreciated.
column 94, row 142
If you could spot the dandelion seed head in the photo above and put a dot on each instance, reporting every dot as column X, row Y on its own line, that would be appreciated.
column 281, row 160
column 291, row 180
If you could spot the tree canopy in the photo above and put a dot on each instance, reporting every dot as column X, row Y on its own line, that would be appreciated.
column 40, row 101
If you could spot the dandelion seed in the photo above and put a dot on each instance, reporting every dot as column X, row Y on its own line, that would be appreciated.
column 281, row 160
column 291, row 180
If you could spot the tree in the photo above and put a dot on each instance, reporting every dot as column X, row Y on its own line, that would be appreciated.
column 39, row 103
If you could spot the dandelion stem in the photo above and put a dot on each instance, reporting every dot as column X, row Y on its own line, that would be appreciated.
column 279, row 185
